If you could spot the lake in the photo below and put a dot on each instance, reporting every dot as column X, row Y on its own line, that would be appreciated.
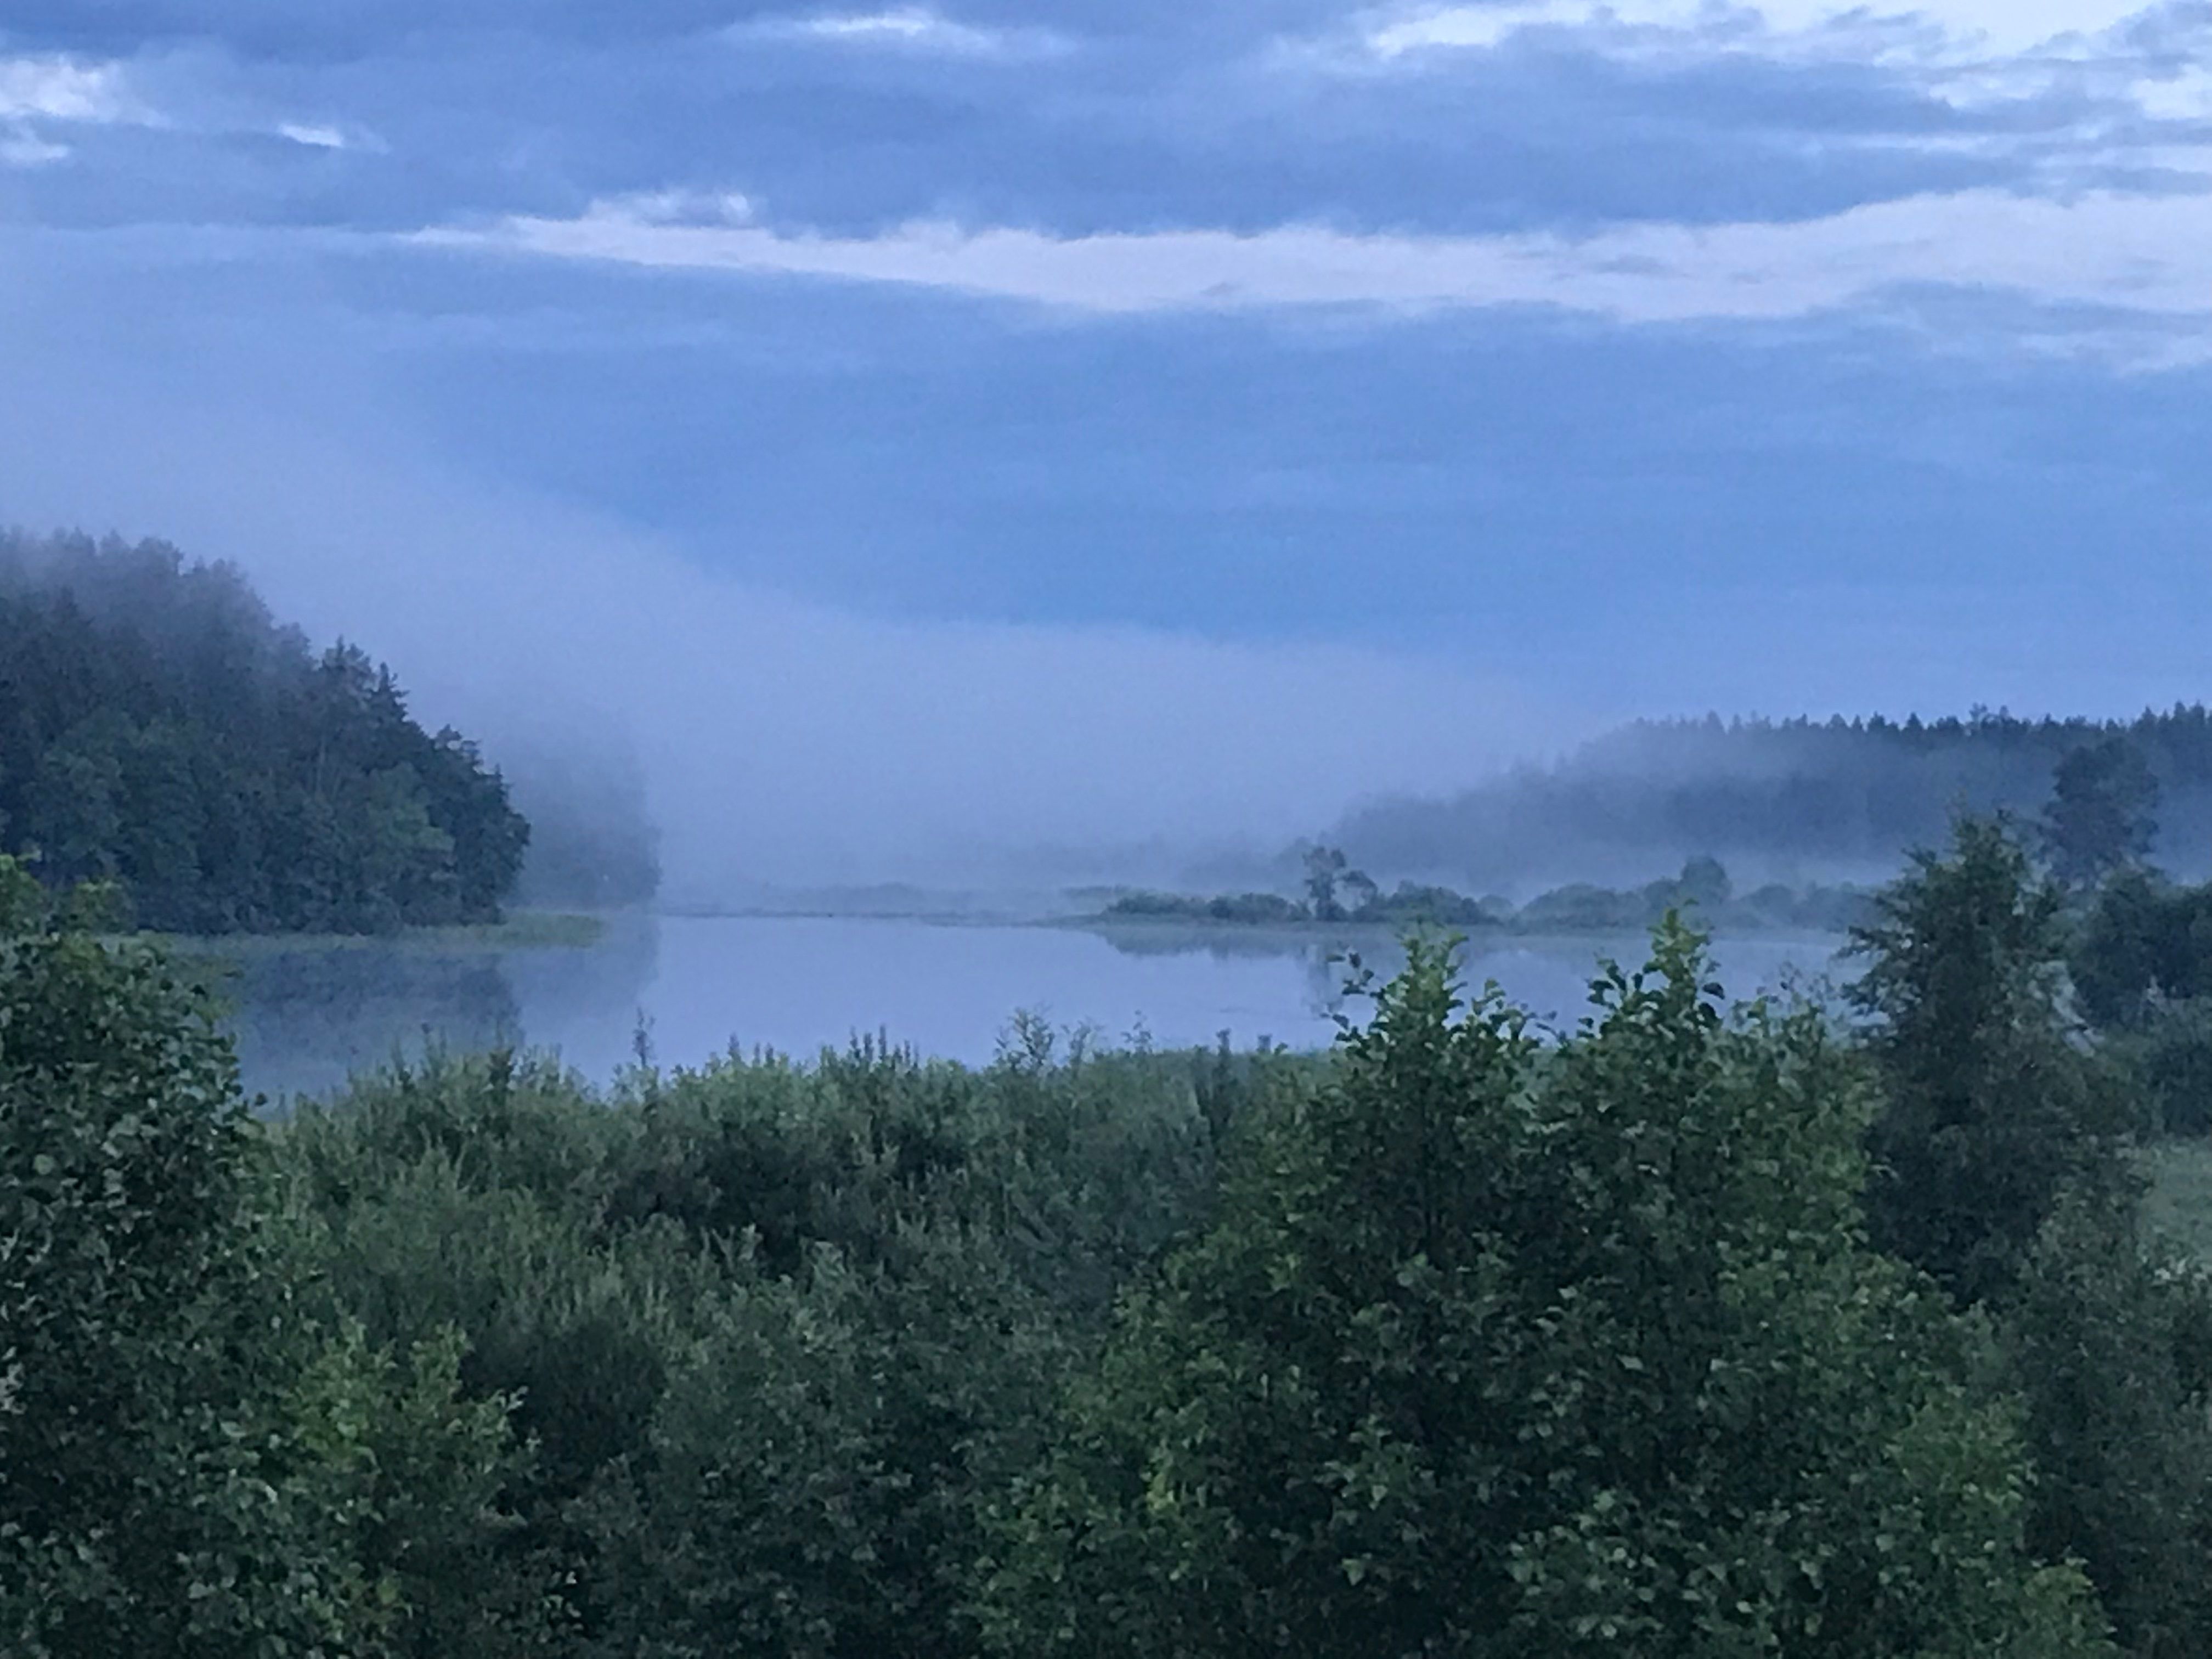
column 689, row 988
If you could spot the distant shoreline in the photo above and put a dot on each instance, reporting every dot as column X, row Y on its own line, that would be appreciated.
column 522, row 930
column 1355, row 933
column 1386, row 932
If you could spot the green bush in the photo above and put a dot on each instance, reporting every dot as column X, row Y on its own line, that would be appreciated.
column 1492, row 1350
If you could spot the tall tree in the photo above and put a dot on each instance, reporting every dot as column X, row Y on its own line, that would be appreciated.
column 2100, row 818
column 1991, row 1109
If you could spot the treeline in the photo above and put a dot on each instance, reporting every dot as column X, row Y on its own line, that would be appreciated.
column 1336, row 893
column 1698, row 1331
column 1792, row 798
column 159, row 730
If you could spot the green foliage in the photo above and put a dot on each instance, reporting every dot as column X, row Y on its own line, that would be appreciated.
column 1497, row 1352
column 2099, row 816
column 1459, row 1340
column 775, row 1332
column 1992, row 1109
column 1577, row 908
column 2144, row 943
column 195, row 1461
column 407, row 1474
column 159, row 731
column 1259, row 908
column 2112, row 1340
column 149, row 1502
column 1412, row 904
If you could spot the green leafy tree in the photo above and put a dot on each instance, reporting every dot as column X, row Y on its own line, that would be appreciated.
column 146, row 1502
column 194, row 1464
column 1502, row 1352
column 1325, row 868
column 2100, row 818
column 1991, row 1107
column 2112, row 1337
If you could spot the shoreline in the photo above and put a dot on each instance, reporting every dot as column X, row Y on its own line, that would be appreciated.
column 522, row 930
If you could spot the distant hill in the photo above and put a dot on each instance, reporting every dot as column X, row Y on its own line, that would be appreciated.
column 1796, row 798
column 158, row 728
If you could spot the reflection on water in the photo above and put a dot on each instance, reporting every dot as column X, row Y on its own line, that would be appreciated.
column 692, row 987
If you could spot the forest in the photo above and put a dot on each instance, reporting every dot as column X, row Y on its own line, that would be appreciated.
column 1777, row 801
column 161, row 732
column 1699, row 1329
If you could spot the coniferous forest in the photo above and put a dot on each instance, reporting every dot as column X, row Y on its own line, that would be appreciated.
column 1803, row 795
column 163, row 731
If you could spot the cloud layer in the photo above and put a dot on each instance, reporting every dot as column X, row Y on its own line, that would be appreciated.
column 2127, row 252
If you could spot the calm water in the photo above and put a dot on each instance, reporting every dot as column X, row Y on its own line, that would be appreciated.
column 694, row 986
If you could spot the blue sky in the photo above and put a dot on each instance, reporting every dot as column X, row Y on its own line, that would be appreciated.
column 1216, row 395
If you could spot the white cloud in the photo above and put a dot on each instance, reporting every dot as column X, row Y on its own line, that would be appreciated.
column 37, row 93
column 911, row 28
column 20, row 146
column 2184, row 96
column 63, row 89
column 2001, row 27
column 315, row 137
column 2136, row 253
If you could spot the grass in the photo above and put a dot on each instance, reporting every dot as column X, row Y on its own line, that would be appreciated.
column 522, row 930
column 2179, row 1204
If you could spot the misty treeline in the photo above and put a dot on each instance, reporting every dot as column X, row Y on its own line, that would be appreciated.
column 1697, row 1331
column 1338, row 893
column 160, row 730
column 1785, row 799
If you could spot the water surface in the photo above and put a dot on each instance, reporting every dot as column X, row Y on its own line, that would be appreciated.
column 686, row 988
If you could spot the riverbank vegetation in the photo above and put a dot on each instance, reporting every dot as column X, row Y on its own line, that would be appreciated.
column 1702, row 1329
column 1337, row 896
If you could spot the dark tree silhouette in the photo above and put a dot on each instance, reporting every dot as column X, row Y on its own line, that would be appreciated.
column 2099, row 816
column 160, row 730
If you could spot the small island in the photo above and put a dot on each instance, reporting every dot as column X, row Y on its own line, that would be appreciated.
column 1337, row 896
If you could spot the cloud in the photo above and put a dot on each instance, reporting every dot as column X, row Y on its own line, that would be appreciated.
column 1984, row 27
column 907, row 28
column 2131, row 252
column 314, row 138
column 39, row 93
column 64, row 89
column 2083, row 61
column 20, row 146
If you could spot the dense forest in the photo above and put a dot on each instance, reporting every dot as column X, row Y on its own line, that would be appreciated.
column 1695, row 1331
column 160, row 730
column 1784, row 800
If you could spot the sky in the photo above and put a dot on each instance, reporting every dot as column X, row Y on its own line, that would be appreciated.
column 993, row 426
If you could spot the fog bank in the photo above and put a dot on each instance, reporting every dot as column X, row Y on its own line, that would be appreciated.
column 781, row 742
